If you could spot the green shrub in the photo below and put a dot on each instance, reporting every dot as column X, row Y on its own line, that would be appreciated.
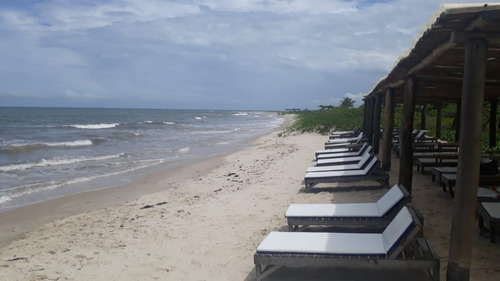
column 323, row 121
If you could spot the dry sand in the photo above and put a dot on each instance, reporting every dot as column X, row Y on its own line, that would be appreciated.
column 204, row 222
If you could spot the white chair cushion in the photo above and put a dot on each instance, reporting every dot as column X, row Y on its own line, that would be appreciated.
column 323, row 243
column 486, row 192
column 343, row 173
column 390, row 198
column 333, row 210
column 396, row 228
column 333, row 168
column 493, row 209
column 339, row 160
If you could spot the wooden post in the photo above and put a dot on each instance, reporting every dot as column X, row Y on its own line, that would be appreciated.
column 389, row 127
column 493, row 123
column 369, row 129
column 458, row 117
column 405, row 135
column 376, row 123
column 464, row 207
column 365, row 117
column 438, row 120
column 423, row 119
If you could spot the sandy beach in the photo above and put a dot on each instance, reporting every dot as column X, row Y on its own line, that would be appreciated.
column 204, row 222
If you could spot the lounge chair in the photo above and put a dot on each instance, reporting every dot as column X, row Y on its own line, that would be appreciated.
column 371, row 171
column 396, row 247
column 345, row 134
column 422, row 163
column 359, row 152
column 360, row 165
column 487, row 195
column 344, row 149
column 344, row 144
column 419, row 136
column 350, row 216
column 449, row 180
column 345, row 140
column 342, row 160
column 438, row 171
column 489, row 212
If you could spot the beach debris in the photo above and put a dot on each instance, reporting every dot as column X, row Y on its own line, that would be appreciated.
column 217, row 190
column 151, row 206
column 18, row 258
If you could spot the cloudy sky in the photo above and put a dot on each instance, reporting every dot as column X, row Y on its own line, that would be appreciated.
column 201, row 54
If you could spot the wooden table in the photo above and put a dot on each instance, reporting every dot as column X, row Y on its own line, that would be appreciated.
column 489, row 212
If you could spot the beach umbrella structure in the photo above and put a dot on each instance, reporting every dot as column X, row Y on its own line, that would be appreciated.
column 456, row 59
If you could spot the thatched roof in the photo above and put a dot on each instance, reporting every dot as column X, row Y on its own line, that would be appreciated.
column 436, row 60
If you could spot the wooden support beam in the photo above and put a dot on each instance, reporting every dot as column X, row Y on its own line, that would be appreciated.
column 439, row 108
column 405, row 135
column 389, row 127
column 436, row 53
column 493, row 123
column 464, row 207
column 457, row 120
column 369, row 129
column 365, row 116
column 462, row 37
column 423, row 119
column 376, row 123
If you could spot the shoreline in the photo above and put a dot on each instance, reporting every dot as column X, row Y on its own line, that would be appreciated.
column 208, row 219
column 20, row 220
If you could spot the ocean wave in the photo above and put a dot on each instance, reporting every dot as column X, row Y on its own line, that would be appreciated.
column 22, row 147
column 29, row 189
column 149, row 122
column 183, row 150
column 241, row 114
column 94, row 126
column 56, row 162
column 5, row 198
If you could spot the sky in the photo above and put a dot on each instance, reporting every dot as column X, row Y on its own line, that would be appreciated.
column 201, row 54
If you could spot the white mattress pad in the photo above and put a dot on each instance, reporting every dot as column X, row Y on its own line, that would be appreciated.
column 323, row 243
column 333, row 210
column 493, row 209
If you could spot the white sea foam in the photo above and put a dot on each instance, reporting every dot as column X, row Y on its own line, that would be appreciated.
column 5, row 198
column 240, row 114
column 95, row 126
column 168, row 123
column 27, row 146
column 184, row 149
column 70, row 143
column 56, row 161
column 198, row 118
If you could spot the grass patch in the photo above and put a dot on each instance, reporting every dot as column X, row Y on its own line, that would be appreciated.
column 344, row 119
column 324, row 121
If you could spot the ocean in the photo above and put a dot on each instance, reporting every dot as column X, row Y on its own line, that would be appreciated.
column 47, row 153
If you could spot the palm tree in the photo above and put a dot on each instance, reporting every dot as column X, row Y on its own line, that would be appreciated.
column 347, row 102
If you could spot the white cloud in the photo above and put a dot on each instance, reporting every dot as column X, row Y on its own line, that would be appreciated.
column 289, row 51
column 358, row 98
